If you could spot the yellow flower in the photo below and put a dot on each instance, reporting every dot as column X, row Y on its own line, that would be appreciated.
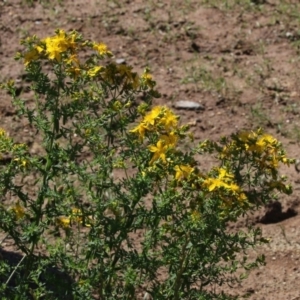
column 30, row 56
column 242, row 197
column 268, row 139
column 10, row 83
column 73, row 71
column 59, row 43
column 191, row 136
column 128, row 104
column 213, row 183
column 39, row 49
column 153, row 115
column 227, row 150
column 147, row 76
column 72, row 59
column 88, row 132
column 275, row 162
column 233, row 187
column 259, row 146
column 135, row 81
column 147, row 79
column 159, row 151
column 117, row 106
column 287, row 161
column 169, row 120
column 223, row 174
column 53, row 50
column 125, row 71
column 22, row 162
column 140, row 130
column 94, row 71
column 148, row 121
column 77, row 214
column 159, row 116
column 183, row 171
column 72, row 41
column 18, row 210
column 195, row 216
column 56, row 45
column 170, row 140
column 246, row 136
column 130, row 77
column 63, row 222
column 2, row 132
column 255, row 143
column 101, row 48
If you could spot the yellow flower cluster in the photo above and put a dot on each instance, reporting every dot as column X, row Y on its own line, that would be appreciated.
column 19, row 151
column 52, row 47
column 264, row 147
column 101, row 49
column 65, row 222
column 147, row 79
column 22, row 162
column 120, row 74
column 164, row 123
column 224, row 181
column 2, row 132
column 183, row 172
column 117, row 74
column 160, row 117
column 94, row 71
column 18, row 210
column 61, row 46
column 279, row 185
column 58, row 44
column 6, row 143
column 165, row 143
column 30, row 56
column 257, row 143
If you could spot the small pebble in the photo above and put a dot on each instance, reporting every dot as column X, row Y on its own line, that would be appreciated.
column 183, row 104
column 120, row 61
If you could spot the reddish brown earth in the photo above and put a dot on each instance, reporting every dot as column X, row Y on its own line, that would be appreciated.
column 239, row 61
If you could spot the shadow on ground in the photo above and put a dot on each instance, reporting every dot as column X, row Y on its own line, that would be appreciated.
column 57, row 284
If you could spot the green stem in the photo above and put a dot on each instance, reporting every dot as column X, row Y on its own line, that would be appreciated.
column 47, row 169
column 184, row 256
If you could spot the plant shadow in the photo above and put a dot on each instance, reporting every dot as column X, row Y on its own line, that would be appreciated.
column 15, row 279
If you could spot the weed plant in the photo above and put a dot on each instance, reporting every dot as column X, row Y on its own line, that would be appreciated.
column 112, row 208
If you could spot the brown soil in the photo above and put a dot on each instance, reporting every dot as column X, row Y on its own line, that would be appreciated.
column 239, row 61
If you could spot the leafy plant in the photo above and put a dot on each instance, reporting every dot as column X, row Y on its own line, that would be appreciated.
column 116, row 210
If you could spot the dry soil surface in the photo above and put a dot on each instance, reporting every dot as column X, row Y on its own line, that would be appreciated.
column 238, row 59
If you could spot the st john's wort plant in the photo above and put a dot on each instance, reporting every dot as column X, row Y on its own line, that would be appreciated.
column 112, row 203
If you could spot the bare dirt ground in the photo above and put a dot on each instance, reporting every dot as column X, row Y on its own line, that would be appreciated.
column 238, row 59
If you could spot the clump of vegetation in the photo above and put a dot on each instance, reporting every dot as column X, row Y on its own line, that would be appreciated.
column 114, row 208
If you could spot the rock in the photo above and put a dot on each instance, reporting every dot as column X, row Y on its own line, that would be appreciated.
column 191, row 105
column 120, row 61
